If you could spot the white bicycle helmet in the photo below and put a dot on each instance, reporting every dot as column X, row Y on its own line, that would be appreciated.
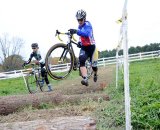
column 81, row 14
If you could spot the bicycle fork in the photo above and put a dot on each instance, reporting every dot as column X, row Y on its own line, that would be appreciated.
column 65, row 51
column 64, row 54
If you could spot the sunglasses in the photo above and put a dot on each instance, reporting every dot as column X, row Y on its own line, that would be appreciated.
column 80, row 19
column 33, row 47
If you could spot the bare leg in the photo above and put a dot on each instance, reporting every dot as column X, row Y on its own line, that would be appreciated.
column 83, row 71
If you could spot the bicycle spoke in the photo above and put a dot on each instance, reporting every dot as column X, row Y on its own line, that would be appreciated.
column 59, row 62
column 32, row 83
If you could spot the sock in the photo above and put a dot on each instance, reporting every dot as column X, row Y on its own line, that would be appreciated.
column 49, row 87
column 85, row 78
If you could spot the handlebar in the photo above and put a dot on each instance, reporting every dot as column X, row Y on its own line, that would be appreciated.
column 67, row 33
column 31, row 64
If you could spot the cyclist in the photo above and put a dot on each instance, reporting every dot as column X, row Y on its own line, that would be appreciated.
column 39, row 61
column 87, row 45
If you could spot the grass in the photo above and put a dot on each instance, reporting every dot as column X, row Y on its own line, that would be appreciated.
column 12, row 87
column 17, row 86
column 145, row 93
column 110, row 115
column 145, row 99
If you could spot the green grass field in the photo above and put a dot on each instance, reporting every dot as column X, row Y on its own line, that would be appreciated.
column 145, row 93
column 17, row 85
column 12, row 87
column 145, row 99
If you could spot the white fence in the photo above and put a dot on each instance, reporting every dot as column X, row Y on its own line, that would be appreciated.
column 101, row 62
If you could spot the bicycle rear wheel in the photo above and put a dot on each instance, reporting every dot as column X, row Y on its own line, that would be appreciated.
column 41, row 83
column 59, row 61
column 32, row 83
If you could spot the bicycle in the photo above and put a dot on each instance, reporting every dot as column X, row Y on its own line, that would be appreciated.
column 61, row 60
column 33, row 79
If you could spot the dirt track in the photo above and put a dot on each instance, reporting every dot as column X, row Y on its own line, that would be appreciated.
column 105, row 77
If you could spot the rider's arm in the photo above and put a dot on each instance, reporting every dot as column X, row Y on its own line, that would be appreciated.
column 30, row 58
column 85, row 32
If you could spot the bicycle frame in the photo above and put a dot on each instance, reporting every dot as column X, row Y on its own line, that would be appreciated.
column 35, row 70
column 69, row 45
column 66, row 55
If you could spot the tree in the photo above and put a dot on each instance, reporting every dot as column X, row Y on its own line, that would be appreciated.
column 132, row 50
column 10, row 48
column 0, row 68
column 13, row 62
column 138, row 49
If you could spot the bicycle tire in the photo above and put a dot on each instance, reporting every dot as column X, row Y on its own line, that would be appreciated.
column 56, row 68
column 32, row 83
column 39, row 82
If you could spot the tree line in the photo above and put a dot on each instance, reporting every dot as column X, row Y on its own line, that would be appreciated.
column 131, row 50
column 10, row 58
column 10, row 47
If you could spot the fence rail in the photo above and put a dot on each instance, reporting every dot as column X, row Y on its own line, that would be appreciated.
column 101, row 62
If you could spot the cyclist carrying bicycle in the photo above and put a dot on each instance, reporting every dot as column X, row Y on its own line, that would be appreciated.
column 39, row 61
column 87, row 45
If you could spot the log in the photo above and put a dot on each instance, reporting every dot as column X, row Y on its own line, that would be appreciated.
column 10, row 104
column 58, row 123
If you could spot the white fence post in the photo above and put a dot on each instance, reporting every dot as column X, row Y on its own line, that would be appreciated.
column 126, row 68
column 24, row 78
column 103, row 62
column 117, row 66
column 68, row 65
column 140, row 56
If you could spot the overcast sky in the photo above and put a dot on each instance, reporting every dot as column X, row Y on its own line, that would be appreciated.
column 37, row 21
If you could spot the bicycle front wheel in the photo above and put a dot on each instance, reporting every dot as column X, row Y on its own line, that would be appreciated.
column 59, row 61
column 32, row 83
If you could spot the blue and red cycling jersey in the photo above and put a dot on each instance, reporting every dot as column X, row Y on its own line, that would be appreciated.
column 86, row 34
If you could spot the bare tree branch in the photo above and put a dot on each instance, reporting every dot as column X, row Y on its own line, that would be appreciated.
column 10, row 48
column 17, row 44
